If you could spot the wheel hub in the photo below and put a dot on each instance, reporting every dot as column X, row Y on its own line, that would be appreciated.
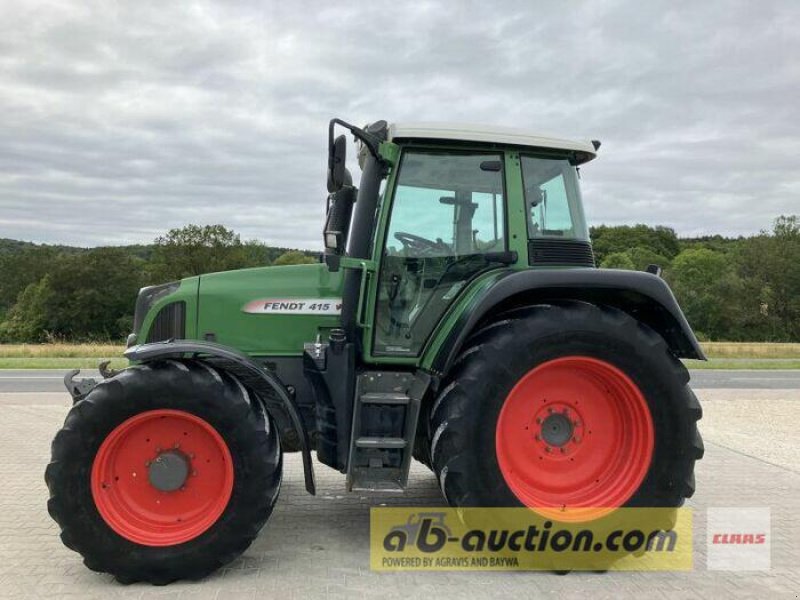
column 169, row 471
column 556, row 429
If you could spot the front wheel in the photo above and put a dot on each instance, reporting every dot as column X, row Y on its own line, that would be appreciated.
column 167, row 471
column 573, row 410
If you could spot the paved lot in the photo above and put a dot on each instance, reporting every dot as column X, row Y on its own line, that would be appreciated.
column 317, row 547
column 51, row 380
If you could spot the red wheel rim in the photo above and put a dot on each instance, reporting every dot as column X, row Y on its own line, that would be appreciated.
column 574, row 438
column 123, row 485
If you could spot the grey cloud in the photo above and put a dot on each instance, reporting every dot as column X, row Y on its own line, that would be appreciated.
column 120, row 120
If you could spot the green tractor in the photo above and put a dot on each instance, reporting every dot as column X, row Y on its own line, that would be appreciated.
column 457, row 318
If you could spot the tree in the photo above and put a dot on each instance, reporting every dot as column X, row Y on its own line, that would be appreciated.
column 196, row 249
column 618, row 260
column 27, row 320
column 642, row 257
column 21, row 268
column 770, row 268
column 293, row 257
column 660, row 240
column 77, row 294
column 708, row 290
column 84, row 296
column 634, row 259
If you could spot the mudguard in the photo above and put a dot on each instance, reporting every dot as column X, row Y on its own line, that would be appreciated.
column 250, row 373
column 644, row 296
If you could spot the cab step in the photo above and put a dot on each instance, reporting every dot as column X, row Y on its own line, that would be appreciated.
column 385, row 398
column 384, row 427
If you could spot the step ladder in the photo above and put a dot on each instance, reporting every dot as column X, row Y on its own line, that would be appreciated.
column 384, row 427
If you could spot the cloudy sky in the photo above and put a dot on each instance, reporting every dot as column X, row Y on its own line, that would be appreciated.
column 119, row 120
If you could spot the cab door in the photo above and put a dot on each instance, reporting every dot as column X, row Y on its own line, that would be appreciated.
column 446, row 225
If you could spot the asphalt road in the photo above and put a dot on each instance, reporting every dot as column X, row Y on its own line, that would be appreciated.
column 51, row 380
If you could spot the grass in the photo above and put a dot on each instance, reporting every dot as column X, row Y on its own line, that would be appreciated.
column 60, row 350
column 58, row 363
column 60, row 356
column 750, row 350
column 722, row 355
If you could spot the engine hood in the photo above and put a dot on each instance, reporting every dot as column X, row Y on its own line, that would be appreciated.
column 269, row 310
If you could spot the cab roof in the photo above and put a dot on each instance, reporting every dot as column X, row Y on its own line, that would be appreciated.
column 583, row 151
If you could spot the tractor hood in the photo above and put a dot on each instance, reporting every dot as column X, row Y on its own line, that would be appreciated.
column 268, row 310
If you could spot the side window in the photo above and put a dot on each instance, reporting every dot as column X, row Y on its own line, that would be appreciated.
column 447, row 224
column 552, row 199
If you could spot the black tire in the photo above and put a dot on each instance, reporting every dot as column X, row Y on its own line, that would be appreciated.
column 463, row 417
column 192, row 386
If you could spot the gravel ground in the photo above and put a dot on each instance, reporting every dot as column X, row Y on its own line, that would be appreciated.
column 317, row 547
column 758, row 423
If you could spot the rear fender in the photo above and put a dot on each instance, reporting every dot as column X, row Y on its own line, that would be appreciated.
column 644, row 296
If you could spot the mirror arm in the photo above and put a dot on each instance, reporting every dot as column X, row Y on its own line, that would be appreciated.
column 371, row 141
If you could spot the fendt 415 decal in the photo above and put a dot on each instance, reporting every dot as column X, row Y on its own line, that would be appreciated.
column 294, row 306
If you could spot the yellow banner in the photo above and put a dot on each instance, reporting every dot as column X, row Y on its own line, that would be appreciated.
column 508, row 539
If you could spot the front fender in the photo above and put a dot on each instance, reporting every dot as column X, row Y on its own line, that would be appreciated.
column 644, row 296
column 272, row 391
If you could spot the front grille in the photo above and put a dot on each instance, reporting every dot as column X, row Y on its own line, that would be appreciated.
column 170, row 323
column 546, row 251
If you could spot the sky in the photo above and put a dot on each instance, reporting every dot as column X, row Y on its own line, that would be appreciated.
column 120, row 120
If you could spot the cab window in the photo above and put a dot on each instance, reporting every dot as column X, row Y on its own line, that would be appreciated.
column 552, row 198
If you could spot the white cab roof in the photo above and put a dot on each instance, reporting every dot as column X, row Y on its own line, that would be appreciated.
column 483, row 133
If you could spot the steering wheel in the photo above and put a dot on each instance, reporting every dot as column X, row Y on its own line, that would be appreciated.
column 416, row 243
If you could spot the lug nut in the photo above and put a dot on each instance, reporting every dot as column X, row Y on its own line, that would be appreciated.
column 538, row 420
column 548, row 449
column 576, row 439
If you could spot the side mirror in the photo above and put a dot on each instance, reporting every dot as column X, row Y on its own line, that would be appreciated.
column 337, row 222
column 337, row 156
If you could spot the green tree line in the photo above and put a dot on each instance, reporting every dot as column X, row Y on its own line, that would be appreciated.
column 73, row 294
column 731, row 289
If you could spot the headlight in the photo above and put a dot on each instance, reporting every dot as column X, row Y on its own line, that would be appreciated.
column 149, row 296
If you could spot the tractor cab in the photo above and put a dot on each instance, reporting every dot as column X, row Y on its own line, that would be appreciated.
column 439, row 206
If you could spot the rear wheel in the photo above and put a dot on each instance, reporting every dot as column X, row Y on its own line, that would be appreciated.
column 166, row 471
column 572, row 410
